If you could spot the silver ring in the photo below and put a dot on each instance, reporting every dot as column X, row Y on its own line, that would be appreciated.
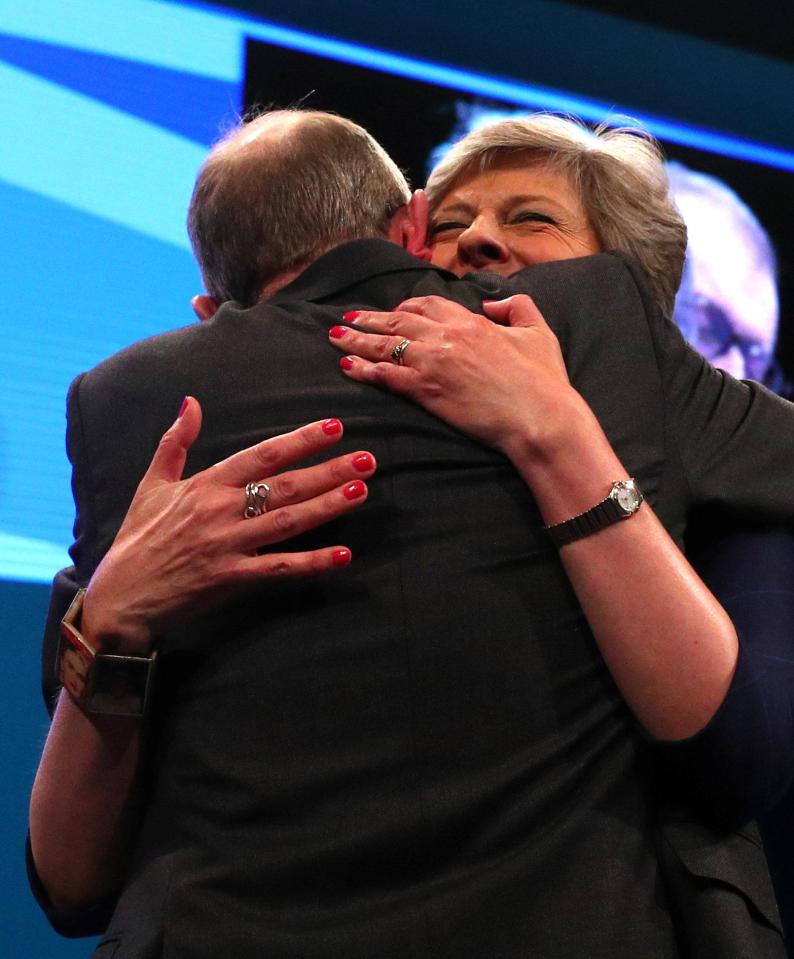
column 256, row 495
column 398, row 351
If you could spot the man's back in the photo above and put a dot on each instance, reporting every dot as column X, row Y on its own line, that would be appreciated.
column 424, row 756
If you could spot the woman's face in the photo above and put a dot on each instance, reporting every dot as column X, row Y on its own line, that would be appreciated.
column 508, row 217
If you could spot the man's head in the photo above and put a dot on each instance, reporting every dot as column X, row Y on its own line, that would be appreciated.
column 727, row 306
column 281, row 190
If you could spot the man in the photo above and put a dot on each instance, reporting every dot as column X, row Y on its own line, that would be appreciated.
column 727, row 306
column 424, row 756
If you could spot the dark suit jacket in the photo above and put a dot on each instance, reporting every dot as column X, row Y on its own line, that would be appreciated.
column 751, row 572
column 425, row 755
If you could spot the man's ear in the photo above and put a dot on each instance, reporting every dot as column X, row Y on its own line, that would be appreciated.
column 205, row 306
column 409, row 226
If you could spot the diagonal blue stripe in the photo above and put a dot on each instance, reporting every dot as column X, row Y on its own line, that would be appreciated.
column 184, row 103
column 83, row 287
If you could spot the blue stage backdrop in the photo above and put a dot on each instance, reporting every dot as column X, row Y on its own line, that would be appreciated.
column 109, row 108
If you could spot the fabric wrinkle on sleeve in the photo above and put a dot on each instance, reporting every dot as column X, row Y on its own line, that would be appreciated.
column 735, row 438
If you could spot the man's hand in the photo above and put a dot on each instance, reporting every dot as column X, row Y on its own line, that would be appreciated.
column 185, row 545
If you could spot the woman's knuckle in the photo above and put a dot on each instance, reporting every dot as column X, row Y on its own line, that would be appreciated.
column 379, row 373
column 308, row 438
column 232, row 574
column 279, row 568
column 168, row 441
column 284, row 521
column 441, row 354
column 338, row 470
column 383, row 348
column 286, row 488
column 216, row 574
column 265, row 458
column 216, row 542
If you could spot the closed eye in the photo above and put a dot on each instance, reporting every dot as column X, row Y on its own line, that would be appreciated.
column 531, row 216
column 446, row 226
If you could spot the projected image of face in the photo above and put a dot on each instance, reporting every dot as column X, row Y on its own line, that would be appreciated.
column 507, row 217
column 727, row 306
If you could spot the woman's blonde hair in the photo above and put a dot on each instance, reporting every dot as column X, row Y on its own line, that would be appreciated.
column 618, row 172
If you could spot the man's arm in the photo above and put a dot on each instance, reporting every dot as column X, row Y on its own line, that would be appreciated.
column 742, row 762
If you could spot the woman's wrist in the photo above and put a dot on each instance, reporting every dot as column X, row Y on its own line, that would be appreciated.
column 568, row 463
column 110, row 629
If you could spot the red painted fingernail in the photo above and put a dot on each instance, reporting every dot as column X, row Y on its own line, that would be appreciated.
column 337, row 332
column 346, row 363
column 341, row 556
column 182, row 408
column 332, row 427
column 351, row 315
column 363, row 462
column 355, row 489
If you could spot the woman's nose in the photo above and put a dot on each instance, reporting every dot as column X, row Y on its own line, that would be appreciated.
column 481, row 245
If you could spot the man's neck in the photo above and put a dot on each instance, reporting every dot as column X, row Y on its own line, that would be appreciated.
column 282, row 280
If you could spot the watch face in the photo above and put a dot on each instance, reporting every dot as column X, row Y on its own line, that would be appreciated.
column 628, row 497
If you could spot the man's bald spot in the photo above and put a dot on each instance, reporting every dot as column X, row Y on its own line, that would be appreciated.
column 274, row 129
column 281, row 190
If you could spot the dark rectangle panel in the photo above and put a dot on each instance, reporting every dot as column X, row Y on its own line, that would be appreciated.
column 408, row 117
column 411, row 117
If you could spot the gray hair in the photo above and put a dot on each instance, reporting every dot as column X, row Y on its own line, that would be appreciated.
column 618, row 172
column 280, row 190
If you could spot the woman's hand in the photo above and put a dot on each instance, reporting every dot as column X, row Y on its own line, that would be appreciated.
column 503, row 383
column 506, row 386
column 184, row 545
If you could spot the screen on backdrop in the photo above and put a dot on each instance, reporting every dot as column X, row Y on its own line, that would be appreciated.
column 108, row 110
column 126, row 99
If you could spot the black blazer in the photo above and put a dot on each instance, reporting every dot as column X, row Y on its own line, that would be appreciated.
column 424, row 756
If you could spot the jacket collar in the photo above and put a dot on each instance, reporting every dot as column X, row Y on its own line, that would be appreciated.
column 347, row 266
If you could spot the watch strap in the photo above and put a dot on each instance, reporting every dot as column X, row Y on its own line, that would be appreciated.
column 101, row 683
column 598, row 517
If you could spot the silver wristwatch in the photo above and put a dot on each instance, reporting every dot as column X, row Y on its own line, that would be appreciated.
column 623, row 501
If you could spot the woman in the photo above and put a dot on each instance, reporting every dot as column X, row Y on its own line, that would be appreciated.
column 498, row 208
column 608, row 190
column 528, row 191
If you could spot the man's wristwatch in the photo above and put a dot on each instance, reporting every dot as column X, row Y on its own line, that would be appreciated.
column 623, row 501
column 101, row 682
